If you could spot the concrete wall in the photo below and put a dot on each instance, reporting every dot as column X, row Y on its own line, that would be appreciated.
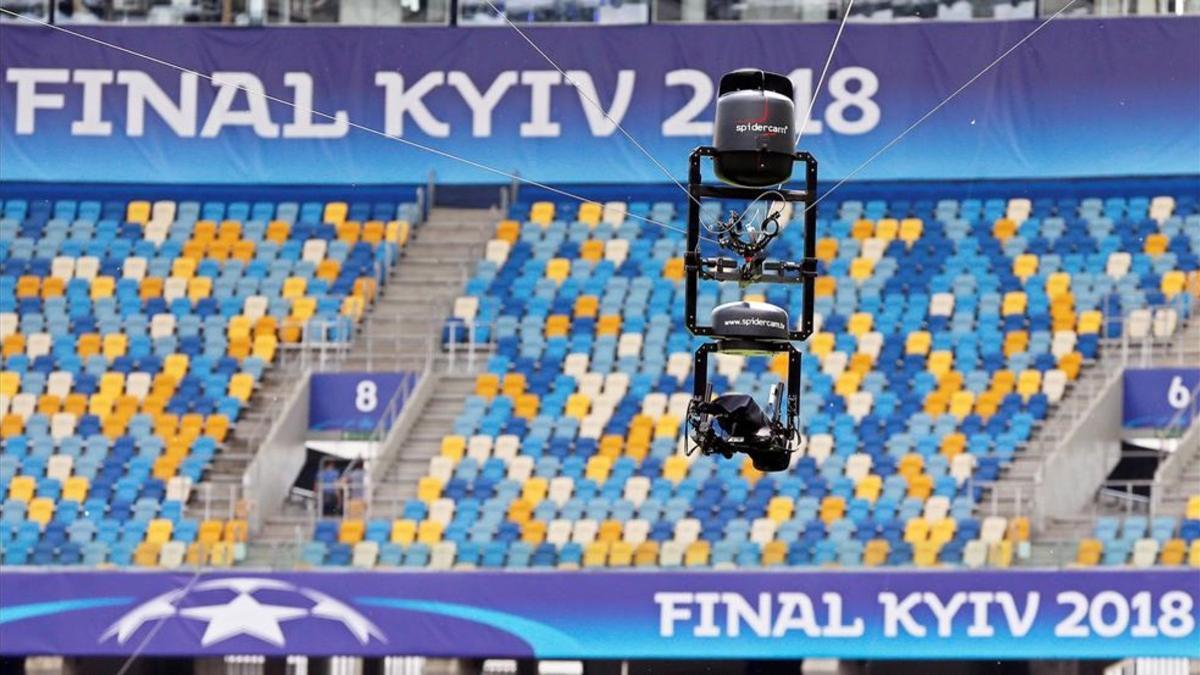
column 270, row 476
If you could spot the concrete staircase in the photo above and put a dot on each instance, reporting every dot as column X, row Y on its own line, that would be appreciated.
column 436, row 420
column 1012, row 494
column 402, row 331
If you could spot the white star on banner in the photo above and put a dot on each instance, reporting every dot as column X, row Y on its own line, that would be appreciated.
column 243, row 616
column 331, row 608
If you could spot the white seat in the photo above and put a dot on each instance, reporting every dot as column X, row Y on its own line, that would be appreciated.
column 576, row 365
column 62, row 267
column 138, row 384
column 1145, row 552
column 584, row 531
column 441, row 468
column 134, row 268
column 678, row 404
column 1165, row 322
column 687, row 530
column 615, row 212
column 162, row 325
column 870, row 344
column 654, row 405
column 23, row 405
column 156, row 231
column 163, row 210
column 560, row 490
column 592, row 426
column 730, row 365
column 558, row 532
column 671, row 554
column 466, row 307
column 8, row 324
column 174, row 288
column 179, row 488
column 59, row 383
column 857, row 466
column 1118, row 264
column 1063, row 343
column 616, row 251
column 993, row 529
column 616, row 383
column 834, row 364
column 636, row 531
column 255, row 307
column 365, row 554
column 1054, row 384
column 62, row 425
column 1019, row 209
column 441, row 555
column 1161, row 207
column 590, row 384
column 87, row 267
column 637, row 488
column 58, row 467
column 479, row 447
column 679, row 364
column 937, row 507
column 38, row 344
column 507, row 447
column 941, row 304
column 962, row 467
column 858, row 404
column 820, row 446
column 630, row 344
column 1138, row 325
column 873, row 249
column 497, row 251
column 171, row 555
column 442, row 510
column 313, row 251
column 975, row 554
column 520, row 468
column 762, row 530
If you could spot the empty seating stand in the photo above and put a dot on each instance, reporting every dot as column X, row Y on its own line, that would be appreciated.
column 133, row 335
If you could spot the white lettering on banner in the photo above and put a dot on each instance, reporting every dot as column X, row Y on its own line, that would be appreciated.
column 303, row 125
column 482, row 104
column 142, row 89
column 257, row 115
column 802, row 84
column 1019, row 623
column 860, row 99
column 1107, row 613
column 91, row 123
column 944, row 613
column 603, row 123
column 683, row 121
column 400, row 102
column 540, row 125
column 898, row 613
column 29, row 100
column 790, row 611
column 1178, row 395
column 980, row 627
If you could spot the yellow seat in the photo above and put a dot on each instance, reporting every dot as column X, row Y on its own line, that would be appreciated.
column 534, row 489
column 293, row 287
column 1194, row 554
column 847, row 383
column 646, row 554
column 1089, row 552
column 860, row 323
column 351, row 531
column 674, row 468
column 403, row 532
column 487, row 385
column 21, row 488
column 1089, row 322
column 1000, row 554
column 609, row 324
column 1173, row 553
column 954, row 443
column 429, row 532
column 598, row 468
column 774, row 553
column 916, row 530
column 942, row 531
column 586, row 306
column 40, row 511
column 210, row 532
column 1014, row 303
column 1156, row 244
column 697, row 554
column 520, row 511
column 609, row 531
column 541, row 213
column 827, row 249
column 862, row 229
column 875, row 553
column 1004, row 228
column 138, row 212
column 780, row 508
column 558, row 325
column 940, row 362
column 75, row 489
column 1173, row 283
column 920, row 486
column 1192, row 511
column 821, row 344
column 673, row 269
column 158, row 531
column 596, row 554
column 861, row 269
column 1025, row 266
column 115, row 345
column 887, row 228
column 1058, row 284
column 910, row 230
column 1018, row 529
column 241, row 385
column 1029, row 383
column 578, row 406
column 832, row 508
column 918, row 342
column 869, row 488
column 925, row 553
column 590, row 213
column 102, row 287
column 508, row 230
column 825, row 287
column 335, row 212
column 429, row 489
column 558, row 269
column 146, row 554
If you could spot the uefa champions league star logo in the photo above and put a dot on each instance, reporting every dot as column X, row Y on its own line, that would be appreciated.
column 244, row 614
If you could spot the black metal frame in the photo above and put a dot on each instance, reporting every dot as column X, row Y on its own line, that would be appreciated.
column 728, row 269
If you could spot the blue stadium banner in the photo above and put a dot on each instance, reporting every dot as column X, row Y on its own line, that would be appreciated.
column 959, row 614
column 1080, row 98
column 353, row 401
column 1155, row 398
